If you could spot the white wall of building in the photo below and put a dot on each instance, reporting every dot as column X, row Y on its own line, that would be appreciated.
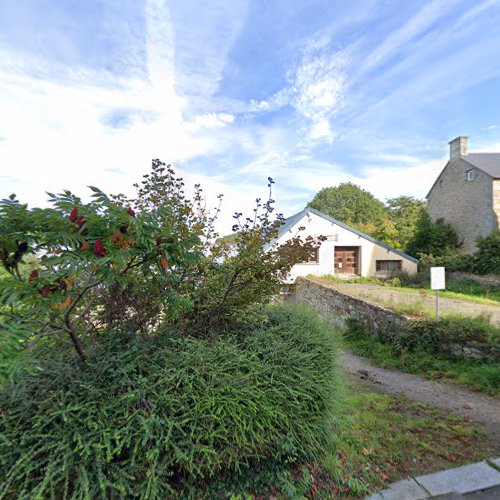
column 369, row 252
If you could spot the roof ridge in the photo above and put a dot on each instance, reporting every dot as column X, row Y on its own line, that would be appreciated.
column 349, row 228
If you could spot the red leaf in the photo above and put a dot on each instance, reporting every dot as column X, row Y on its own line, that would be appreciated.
column 159, row 241
column 80, row 221
column 384, row 476
column 164, row 263
column 131, row 212
column 33, row 275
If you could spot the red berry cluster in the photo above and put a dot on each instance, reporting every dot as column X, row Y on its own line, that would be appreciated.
column 98, row 248
column 46, row 290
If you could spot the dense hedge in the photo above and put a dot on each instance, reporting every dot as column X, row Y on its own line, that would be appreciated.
column 486, row 259
column 436, row 337
column 161, row 416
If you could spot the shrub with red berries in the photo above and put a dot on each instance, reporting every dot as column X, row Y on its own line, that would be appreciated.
column 78, row 270
column 97, row 266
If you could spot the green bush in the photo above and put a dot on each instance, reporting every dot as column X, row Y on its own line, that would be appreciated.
column 487, row 257
column 161, row 416
column 452, row 262
column 486, row 260
column 435, row 238
column 437, row 337
column 433, row 337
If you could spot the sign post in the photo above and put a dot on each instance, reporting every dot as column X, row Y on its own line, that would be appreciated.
column 438, row 282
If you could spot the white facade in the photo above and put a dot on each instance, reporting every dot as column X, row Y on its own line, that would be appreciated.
column 367, row 250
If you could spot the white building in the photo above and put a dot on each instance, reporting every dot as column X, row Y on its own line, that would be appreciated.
column 346, row 251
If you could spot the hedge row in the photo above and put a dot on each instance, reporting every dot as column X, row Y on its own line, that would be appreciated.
column 450, row 337
column 486, row 260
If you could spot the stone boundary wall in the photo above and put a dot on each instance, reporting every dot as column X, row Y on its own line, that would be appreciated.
column 336, row 306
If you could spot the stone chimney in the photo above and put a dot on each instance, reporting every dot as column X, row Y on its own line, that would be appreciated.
column 458, row 147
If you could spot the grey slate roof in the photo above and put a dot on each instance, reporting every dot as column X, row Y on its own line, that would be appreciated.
column 291, row 221
column 489, row 163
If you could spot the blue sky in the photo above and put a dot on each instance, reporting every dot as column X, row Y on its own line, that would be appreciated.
column 311, row 93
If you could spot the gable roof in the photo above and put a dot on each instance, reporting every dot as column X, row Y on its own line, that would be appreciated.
column 291, row 221
column 489, row 163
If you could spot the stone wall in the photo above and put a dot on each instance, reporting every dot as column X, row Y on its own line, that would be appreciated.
column 336, row 306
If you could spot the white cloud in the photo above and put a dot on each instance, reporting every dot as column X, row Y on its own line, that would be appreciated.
column 276, row 101
column 210, row 120
column 316, row 88
column 426, row 17
column 205, row 33
column 414, row 180
column 322, row 130
column 320, row 85
column 61, row 134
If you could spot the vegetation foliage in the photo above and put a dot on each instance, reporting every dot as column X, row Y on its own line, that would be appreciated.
column 133, row 264
column 149, row 367
column 376, row 439
column 424, row 347
column 434, row 238
column 349, row 203
column 163, row 414
column 485, row 260
column 401, row 222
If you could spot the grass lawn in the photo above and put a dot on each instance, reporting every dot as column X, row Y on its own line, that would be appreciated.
column 478, row 375
column 376, row 439
column 455, row 289
column 484, row 295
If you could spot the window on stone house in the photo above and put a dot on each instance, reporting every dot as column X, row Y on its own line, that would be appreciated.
column 389, row 266
column 470, row 175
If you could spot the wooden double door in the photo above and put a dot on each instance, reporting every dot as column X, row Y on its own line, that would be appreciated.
column 346, row 260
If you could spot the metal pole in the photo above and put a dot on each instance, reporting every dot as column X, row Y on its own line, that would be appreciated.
column 437, row 305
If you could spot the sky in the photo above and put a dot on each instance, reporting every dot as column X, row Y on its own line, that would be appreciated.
column 312, row 93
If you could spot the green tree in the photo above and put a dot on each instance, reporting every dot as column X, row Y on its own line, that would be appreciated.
column 487, row 256
column 433, row 238
column 406, row 213
column 388, row 232
column 350, row 204
column 100, row 265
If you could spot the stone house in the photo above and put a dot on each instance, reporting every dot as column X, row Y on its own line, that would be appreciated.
column 466, row 193
column 346, row 250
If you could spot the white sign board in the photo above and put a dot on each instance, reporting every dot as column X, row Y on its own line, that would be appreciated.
column 437, row 278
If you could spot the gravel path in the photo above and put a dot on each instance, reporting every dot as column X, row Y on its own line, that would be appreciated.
column 458, row 401
column 386, row 296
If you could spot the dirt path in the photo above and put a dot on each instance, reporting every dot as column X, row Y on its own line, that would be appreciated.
column 458, row 401
column 386, row 296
